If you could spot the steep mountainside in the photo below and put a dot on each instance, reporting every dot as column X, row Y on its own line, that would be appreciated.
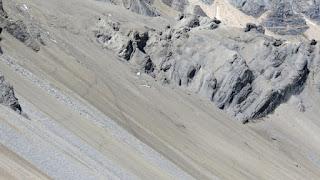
column 159, row 89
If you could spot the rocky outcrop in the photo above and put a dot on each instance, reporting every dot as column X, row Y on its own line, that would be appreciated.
column 178, row 5
column 253, row 27
column 143, row 7
column 251, row 7
column 188, row 55
column 207, row 2
column 310, row 8
column 3, row 14
column 8, row 97
column 284, row 21
column 196, row 10
column 19, row 30
column 285, row 17
column 128, row 45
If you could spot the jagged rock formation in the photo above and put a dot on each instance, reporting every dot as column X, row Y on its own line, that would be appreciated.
column 310, row 8
column 208, row 2
column 143, row 7
column 254, row 27
column 178, row 5
column 283, row 20
column 196, row 10
column 285, row 17
column 8, row 97
column 2, row 11
column 247, row 86
column 251, row 7
column 19, row 30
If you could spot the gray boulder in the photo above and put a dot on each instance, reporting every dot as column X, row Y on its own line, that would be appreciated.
column 7, row 97
column 178, row 5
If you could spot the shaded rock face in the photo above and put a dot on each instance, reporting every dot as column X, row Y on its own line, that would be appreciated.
column 127, row 45
column 178, row 5
column 143, row 7
column 251, row 7
column 284, row 21
column 8, row 97
column 196, row 10
column 2, row 12
column 253, row 27
column 310, row 8
column 189, row 55
column 285, row 16
column 19, row 30
column 208, row 2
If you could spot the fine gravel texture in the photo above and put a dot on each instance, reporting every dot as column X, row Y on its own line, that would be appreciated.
column 159, row 89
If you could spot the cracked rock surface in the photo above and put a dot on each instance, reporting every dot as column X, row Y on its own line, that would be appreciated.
column 246, row 85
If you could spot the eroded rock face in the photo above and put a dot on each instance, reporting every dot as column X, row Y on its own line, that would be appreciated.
column 310, row 8
column 129, row 46
column 8, row 97
column 178, row 5
column 251, row 7
column 284, row 21
column 285, row 17
column 253, row 27
column 143, row 7
column 19, row 30
column 189, row 55
column 2, row 12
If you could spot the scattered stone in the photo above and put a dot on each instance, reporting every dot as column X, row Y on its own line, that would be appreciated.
column 256, row 28
column 313, row 42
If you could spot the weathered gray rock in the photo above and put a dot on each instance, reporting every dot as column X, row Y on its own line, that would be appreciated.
column 237, row 77
column 251, row 7
column 19, row 30
column 189, row 55
column 143, row 7
column 128, row 45
column 253, row 27
column 8, row 97
column 284, row 21
column 208, row 2
column 196, row 10
column 310, row 8
column 178, row 5
column 3, row 13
